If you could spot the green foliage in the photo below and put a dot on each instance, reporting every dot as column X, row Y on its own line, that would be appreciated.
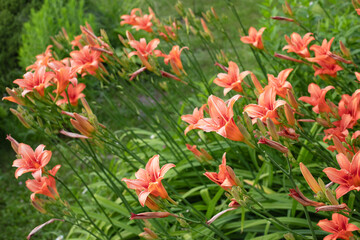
column 13, row 13
column 48, row 21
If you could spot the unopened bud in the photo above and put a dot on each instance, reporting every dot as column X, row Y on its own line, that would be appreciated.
column 289, row 113
column 122, row 40
column 214, row 13
column 20, row 117
column 279, row 18
column 289, row 236
column 257, row 84
column 288, row 9
column 331, row 197
column 323, row 122
column 244, row 131
column 233, row 176
column 261, row 126
column 274, row 145
column 282, row 56
column 248, row 122
column 344, row 49
column 272, row 129
column 129, row 36
column 14, row 143
column 313, row 184
column 292, row 100
column 339, row 147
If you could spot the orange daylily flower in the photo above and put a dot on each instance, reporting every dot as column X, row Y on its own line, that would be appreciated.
column 341, row 132
column 174, row 59
column 254, row 38
column 224, row 179
column 193, row 118
column 322, row 52
column 299, row 45
column 63, row 76
column 31, row 161
column 348, row 176
column 279, row 83
column 42, row 59
column 142, row 48
column 148, row 181
column 339, row 226
column 170, row 31
column 266, row 107
column 232, row 80
column 74, row 91
column 143, row 21
column 86, row 60
column 330, row 69
column 39, row 80
column 317, row 98
column 221, row 119
column 44, row 185
column 350, row 105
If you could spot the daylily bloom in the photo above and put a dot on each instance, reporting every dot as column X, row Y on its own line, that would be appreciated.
column 348, row 176
column 31, row 161
column 232, row 80
column 143, row 50
column 138, row 22
column 279, row 83
column 86, row 60
column 326, row 69
column 44, row 185
column 174, row 59
column 299, row 45
column 254, row 38
column 193, row 118
column 221, row 119
column 170, row 31
column 317, row 98
column 299, row 197
column 266, row 107
column 341, row 132
column 74, row 91
column 350, row 105
column 63, row 77
column 148, row 181
column 39, row 80
column 224, row 179
column 130, row 19
column 76, row 42
column 42, row 59
column 322, row 52
column 151, row 215
column 339, row 226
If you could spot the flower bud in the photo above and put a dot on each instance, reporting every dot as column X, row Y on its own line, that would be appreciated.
column 279, row 18
column 257, row 84
column 287, row 9
column 261, row 126
column 332, row 208
column 287, row 58
column 313, row 184
column 274, row 145
column 248, row 122
column 20, row 117
column 344, row 49
column 214, row 13
column 14, row 143
column 290, row 97
column 150, row 215
column 129, row 36
column 272, row 129
column 289, row 113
